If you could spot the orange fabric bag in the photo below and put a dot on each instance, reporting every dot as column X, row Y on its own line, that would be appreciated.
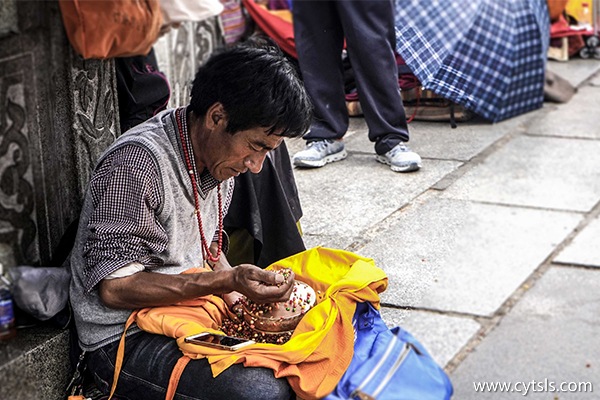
column 321, row 348
column 111, row 28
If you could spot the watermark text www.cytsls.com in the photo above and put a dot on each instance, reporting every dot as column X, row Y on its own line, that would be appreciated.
column 533, row 386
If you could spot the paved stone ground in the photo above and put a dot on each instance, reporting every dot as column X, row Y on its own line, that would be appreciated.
column 492, row 249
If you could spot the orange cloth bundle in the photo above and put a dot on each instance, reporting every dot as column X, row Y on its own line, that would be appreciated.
column 111, row 28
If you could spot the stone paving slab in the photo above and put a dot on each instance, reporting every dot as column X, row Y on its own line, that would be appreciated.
column 562, row 121
column 460, row 256
column 576, row 70
column 585, row 248
column 542, row 172
column 357, row 126
column 294, row 145
column 551, row 333
column 439, row 141
column 331, row 241
column 443, row 336
column 35, row 364
column 434, row 139
column 347, row 197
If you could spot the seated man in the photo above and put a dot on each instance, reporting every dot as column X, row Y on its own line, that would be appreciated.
column 157, row 194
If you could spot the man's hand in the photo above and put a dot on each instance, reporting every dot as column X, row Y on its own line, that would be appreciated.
column 262, row 286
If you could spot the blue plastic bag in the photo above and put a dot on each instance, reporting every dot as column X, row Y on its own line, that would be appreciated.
column 389, row 364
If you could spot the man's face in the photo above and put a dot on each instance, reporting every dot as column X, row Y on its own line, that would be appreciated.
column 230, row 155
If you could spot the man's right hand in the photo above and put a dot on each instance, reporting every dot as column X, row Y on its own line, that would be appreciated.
column 262, row 286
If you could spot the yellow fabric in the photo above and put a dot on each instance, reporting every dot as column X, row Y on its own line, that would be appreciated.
column 320, row 349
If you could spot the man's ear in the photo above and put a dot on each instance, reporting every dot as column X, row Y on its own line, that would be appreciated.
column 216, row 116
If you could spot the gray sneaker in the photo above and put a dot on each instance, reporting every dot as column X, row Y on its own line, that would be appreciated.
column 320, row 152
column 401, row 159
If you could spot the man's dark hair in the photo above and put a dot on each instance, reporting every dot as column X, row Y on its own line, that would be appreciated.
column 257, row 86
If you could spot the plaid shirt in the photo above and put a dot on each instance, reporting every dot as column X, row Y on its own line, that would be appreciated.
column 126, row 193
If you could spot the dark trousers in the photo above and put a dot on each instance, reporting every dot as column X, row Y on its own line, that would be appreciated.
column 148, row 363
column 320, row 27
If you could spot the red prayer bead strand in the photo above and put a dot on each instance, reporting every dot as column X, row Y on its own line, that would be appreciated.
column 182, row 134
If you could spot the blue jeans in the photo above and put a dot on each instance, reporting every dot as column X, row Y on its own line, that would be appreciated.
column 148, row 363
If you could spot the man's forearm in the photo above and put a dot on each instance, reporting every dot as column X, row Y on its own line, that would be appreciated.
column 151, row 289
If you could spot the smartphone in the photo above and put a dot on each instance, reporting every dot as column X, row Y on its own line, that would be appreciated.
column 219, row 341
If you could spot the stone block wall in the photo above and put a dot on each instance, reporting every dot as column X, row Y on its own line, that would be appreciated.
column 57, row 113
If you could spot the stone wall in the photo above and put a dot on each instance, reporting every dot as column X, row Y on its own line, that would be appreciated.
column 57, row 113
column 180, row 52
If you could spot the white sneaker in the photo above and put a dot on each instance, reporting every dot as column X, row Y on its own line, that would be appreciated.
column 320, row 152
column 401, row 159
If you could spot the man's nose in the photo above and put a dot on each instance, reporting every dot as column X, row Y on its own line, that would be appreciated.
column 255, row 162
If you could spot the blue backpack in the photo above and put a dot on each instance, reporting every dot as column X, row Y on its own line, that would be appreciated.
column 389, row 364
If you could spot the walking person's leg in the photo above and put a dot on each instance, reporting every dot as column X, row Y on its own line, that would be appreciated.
column 370, row 39
column 319, row 42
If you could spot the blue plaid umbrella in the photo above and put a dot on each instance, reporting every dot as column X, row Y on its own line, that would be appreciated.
column 488, row 55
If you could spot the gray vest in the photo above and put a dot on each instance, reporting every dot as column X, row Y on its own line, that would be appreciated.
column 98, row 325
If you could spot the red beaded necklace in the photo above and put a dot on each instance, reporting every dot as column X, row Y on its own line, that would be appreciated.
column 191, row 167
